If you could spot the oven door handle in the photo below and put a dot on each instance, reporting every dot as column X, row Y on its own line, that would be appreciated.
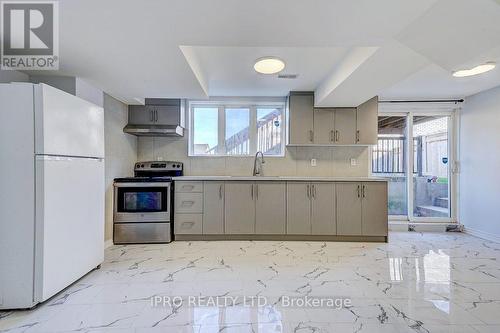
column 152, row 184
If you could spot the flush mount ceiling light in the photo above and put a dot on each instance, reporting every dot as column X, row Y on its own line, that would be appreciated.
column 269, row 65
column 476, row 70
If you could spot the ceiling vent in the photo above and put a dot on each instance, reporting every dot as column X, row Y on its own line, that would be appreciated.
column 287, row 76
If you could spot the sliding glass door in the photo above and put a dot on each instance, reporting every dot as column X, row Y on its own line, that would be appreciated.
column 431, row 167
column 415, row 151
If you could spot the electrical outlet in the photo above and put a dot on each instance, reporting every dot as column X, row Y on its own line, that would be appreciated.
column 354, row 162
column 313, row 162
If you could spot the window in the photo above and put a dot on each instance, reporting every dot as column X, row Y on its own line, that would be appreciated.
column 218, row 129
column 205, row 129
column 237, row 134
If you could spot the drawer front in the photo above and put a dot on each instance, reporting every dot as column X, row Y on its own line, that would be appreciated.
column 188, row 187
column 189, row 224
column 132, row 233
column 189, row 203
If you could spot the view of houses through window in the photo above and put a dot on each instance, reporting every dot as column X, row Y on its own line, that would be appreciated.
column 237, row 130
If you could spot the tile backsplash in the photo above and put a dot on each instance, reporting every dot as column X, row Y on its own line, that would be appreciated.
column 331, row 161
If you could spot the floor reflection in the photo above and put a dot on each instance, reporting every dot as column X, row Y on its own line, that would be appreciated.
column 417, row 282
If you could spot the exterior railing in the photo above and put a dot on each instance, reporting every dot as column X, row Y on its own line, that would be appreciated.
column 389, row 155
column 268, row 137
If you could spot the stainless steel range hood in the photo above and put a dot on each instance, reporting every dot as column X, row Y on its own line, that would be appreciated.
column 158, row 117
column 154, row 130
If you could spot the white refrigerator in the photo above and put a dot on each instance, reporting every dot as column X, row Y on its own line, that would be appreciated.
column 51, row 192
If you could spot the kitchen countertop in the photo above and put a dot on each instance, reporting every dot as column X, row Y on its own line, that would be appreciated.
column 282, row 178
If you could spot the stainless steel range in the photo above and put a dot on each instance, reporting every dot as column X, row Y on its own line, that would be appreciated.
column 143, row 204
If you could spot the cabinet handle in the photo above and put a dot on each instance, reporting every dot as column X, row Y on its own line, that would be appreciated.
column 220, row 191
column 332, row 136
column 186, row 187
column 308, row 191
column 313, row 190
column 257, row 191
column 156, row 116
column 357, row 136
column 251, row 190
column 337, row 136
column 311, row 135
column 188, row 224
column 187, row 203
column 359, row 196
column 151, row 117
column 363, row 191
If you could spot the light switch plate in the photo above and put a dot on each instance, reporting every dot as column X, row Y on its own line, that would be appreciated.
column 313, row 162
column 354, row 162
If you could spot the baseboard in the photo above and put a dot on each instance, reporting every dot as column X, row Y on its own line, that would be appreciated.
column 420, row 226
column 108, row 243
column 482, row 234
column 398, row 226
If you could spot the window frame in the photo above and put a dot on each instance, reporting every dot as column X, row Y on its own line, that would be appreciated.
column 222, row 105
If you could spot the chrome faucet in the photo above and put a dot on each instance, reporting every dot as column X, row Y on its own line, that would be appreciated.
column 257, row 168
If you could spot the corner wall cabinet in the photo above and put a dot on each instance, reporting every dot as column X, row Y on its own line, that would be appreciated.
column 308, row 125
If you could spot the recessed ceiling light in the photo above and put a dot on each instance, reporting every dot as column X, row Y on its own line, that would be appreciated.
column 476, row 70
column 269, row 65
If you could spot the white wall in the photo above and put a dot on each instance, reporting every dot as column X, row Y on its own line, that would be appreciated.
column 480, row 164
column 120, row 152
column 331, row 161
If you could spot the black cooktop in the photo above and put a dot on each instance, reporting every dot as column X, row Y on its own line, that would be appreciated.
column 143, row 179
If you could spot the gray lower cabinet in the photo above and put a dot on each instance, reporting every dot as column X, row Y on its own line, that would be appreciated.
column 239, row 208
column 374, row 209
column 190, row 224
column 362, row 209
column 298, row 208
column 348, row 197
column 213, row 208
column 311, row 208
column 281, row 207
column 270, row 208
column 323, row 219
